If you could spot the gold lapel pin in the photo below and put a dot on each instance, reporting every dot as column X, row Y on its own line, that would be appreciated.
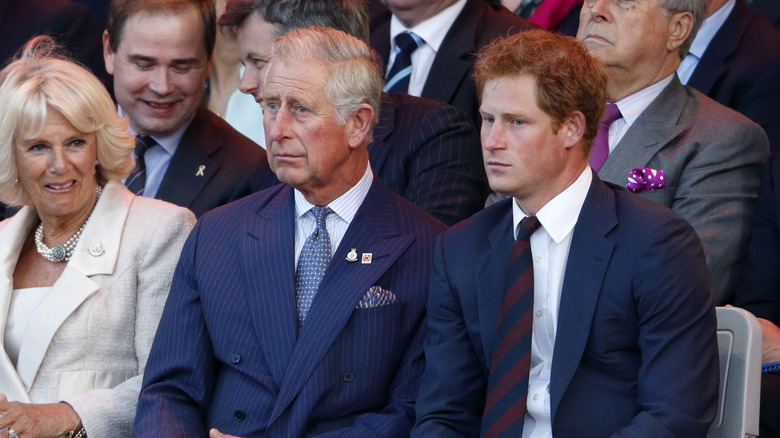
column 201, row 168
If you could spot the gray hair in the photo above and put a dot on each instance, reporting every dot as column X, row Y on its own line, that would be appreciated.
column 696, row 7
column 40, row 79
column 354, row 75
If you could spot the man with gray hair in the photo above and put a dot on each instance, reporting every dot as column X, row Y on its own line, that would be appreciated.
column 425, row 151
column 252, row 345
column 707, row 157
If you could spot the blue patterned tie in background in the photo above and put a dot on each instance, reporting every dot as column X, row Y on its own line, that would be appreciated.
column 312, row 263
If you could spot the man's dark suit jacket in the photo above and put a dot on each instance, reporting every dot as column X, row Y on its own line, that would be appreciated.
column 427, row 152
column 769, row 9
column 759, row 289
column 450, row 79
column 741, row 69
column 227, row 354
column 213, row 165
column 635, row 351
column 73, row 25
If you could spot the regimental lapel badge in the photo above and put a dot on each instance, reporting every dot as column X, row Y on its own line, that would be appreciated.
column 352, row 255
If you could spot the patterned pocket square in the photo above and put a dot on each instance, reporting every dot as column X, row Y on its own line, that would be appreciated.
column 375, row 297
column 643, row 179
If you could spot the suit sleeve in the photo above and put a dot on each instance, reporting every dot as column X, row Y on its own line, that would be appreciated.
column 452, row 390
column 716, row 194
column 177, row 385
column 110, row 412
column 678, row 374
column 446, row 177
column 759, row 288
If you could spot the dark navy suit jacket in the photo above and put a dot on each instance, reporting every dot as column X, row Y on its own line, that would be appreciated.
column 759, row 289
column 213, row 165
column 741, row 69
column 226, row 353
column 635, row 349
column 450, row 79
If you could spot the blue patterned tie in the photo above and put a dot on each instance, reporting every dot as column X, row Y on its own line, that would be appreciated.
column 136, row 181
column 312, row 263
column 398, row 76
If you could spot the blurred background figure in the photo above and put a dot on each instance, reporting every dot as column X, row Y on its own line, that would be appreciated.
column 83, row 275
column 558, row 15
column 222, row 94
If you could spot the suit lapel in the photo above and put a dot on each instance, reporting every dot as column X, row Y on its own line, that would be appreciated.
column 191, row 167
column 452, row 62
column 658, row 125
column 74, row 284
column 374, row 229
column 378, row 148
column 270, row 272
column 12, row 238
column 712, row 64
column 494, row 266
column 592, row 250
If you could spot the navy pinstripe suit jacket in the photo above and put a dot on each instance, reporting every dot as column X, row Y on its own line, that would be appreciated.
column 226, row 353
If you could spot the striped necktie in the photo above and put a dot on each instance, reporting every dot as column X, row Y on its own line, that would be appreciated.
column 398, row 76
column 312, row 263
column 507, row 390
column 136, row 181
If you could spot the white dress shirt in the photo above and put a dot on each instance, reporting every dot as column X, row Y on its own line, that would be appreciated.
column 631, row 107
column 343, row 209
column 550, row 251
column 432, row 31
column 23, row 303
column 704, row 36
column 158, row 157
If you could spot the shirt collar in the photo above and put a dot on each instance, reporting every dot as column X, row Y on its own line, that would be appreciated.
column 432, row 30
column 710, row 27
column 169, row 142
column 631, row 107
column 559, row 216
column 346, row 205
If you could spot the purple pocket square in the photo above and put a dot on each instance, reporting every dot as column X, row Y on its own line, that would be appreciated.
column 643, row 179
column 375, row 297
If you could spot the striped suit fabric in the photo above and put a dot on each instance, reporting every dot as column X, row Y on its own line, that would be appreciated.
column 226, row 354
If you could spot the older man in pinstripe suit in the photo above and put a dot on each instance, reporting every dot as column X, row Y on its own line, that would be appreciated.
column 253, row 346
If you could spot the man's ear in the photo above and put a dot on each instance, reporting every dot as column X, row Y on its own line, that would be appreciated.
column 359, row 125
column 108, row 53
column 680, row 26
column 573, row 127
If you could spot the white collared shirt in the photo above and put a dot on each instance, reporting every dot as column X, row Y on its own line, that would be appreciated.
column 158, row 157
column 432, row 31
column 704, row 36
column 550, row 251
column 344, row 209
column 631, row 107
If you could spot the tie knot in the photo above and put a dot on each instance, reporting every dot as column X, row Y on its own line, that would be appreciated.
column 527, row 226
column 319, row 216
column 142, row 144
column 611, row 114
column 407, row 42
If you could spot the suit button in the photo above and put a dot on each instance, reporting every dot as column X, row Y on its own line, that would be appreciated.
column 239, row 415
column 311, row 426
column 349, row 376
column 236, row 358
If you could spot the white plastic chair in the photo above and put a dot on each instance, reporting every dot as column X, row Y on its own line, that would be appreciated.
column 739, row 348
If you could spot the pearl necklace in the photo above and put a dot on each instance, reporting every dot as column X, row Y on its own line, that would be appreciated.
column 61, row 253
